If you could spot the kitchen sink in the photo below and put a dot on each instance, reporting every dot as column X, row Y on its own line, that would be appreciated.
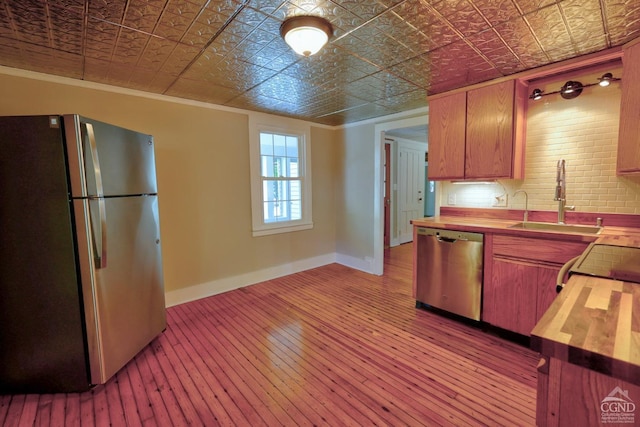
column 561, row 228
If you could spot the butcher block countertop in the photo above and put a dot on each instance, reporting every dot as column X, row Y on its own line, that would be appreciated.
column 594, row 322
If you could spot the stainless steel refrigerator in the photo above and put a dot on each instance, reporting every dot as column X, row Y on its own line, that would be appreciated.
column 81, row 284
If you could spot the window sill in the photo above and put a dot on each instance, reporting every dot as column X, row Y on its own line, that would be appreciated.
column 277, row 229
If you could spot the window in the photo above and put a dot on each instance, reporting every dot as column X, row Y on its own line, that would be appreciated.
column 280, row 178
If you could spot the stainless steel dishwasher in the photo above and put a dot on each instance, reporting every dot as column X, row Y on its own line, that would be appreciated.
column 449, row 271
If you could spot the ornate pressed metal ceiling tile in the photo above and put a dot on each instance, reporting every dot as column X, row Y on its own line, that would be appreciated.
column 385, row 56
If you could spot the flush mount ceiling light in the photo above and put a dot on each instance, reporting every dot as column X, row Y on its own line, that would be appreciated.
column 573, row 89
column 306, row 34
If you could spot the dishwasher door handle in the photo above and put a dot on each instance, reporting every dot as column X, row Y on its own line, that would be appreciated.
column 448, row 239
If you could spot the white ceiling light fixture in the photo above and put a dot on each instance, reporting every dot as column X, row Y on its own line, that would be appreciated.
column 306, row 34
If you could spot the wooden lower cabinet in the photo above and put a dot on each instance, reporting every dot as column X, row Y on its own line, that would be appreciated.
column 546, row 289
column 571, row 395
column 510, row 299
column 520, row 283
column 519, row 295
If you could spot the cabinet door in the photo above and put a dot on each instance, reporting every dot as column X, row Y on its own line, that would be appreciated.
column 490, row 131
column 522, row 284
column 575, row 396
column 629, row 133
column 522, row 293
column 447, row 136
column 546, row 288
column 510, row 297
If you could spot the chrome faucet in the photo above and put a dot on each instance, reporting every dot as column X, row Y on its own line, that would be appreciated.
column 526, row 204
column 561, row 195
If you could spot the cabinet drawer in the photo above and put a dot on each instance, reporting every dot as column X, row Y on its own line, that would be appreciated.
column 552, row 251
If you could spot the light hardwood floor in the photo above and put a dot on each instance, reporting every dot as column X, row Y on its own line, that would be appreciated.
column 329, row 346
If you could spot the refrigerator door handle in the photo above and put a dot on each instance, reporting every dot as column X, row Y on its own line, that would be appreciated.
column 101, row 253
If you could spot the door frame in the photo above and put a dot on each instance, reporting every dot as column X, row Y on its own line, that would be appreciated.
column 387, row 193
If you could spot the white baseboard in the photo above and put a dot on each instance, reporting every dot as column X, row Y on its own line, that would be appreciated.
column 365, row 265
column 215, row 287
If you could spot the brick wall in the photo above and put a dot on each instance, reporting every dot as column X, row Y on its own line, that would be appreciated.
column 582, row 131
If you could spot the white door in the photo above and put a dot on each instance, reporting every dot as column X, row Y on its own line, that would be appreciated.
column 410, row 187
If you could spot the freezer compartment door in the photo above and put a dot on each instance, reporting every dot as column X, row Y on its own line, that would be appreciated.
column 124, row 300
column 107, row 160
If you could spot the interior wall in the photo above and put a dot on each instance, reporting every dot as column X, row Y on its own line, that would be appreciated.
column 355, row 225
column 359, row 191
column 202, row 158
column 584, row 132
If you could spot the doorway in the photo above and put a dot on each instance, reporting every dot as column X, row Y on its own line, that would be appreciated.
column 394, row 128
column 405, row 187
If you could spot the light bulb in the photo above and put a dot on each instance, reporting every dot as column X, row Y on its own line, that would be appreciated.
column 306, row 40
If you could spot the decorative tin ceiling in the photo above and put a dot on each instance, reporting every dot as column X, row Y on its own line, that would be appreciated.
column 386, row 56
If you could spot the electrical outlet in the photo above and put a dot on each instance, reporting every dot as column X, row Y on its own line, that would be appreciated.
column 452, row 199
column 500, row 200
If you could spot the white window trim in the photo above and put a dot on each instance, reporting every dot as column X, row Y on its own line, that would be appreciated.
column 273, row 124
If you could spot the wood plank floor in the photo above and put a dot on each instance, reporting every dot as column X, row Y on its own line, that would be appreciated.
column 329, row 346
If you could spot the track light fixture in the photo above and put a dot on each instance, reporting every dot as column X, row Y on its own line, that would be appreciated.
column 572, row 89
column 536, row 94
column 606, row 79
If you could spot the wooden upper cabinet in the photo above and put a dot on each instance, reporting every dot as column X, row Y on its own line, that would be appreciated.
column 447, row 121
column 629, row 132
column 478, row 134
column 490, row 136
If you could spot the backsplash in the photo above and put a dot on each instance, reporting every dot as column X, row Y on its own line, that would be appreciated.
column 584, row 132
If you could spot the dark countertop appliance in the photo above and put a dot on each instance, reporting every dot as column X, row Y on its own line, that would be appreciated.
column 609, row 261
column 81, row 284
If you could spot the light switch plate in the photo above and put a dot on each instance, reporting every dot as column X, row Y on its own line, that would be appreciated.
column 452, row 199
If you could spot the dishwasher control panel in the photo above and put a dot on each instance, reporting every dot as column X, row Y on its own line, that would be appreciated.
column 451, row 234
